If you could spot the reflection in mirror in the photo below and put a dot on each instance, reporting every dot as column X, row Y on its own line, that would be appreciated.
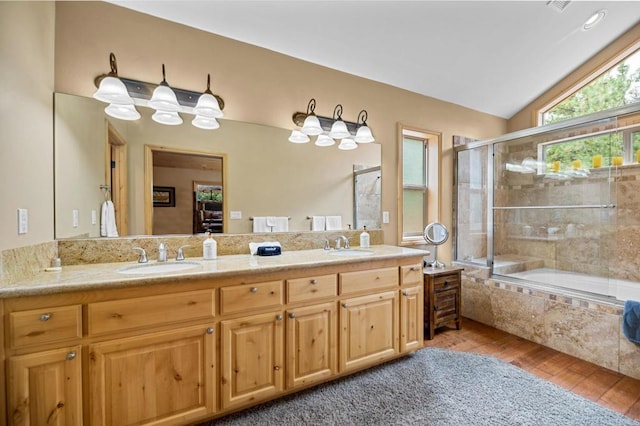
column 263, row 173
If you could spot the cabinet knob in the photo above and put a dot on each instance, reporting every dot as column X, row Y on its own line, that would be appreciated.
column 279, row 317
column 292, row 315
column 71, row 356
column 404, row 293
column 254, row 289
column 435, row 308
column 344, row 305
column 446, row 283
column 414, row 268
column 45, row 317
column 210, row 330
column 314, row 281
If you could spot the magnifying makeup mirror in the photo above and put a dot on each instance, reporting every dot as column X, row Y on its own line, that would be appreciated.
column 436, row 234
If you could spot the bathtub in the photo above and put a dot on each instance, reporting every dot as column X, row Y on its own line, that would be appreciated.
column 620, row 289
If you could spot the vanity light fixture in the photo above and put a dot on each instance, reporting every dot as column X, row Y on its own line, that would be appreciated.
column 123, row 95
column 328, row 129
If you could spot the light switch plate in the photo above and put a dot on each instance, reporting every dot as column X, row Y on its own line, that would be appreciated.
column 234, row 214
column 385, row 217
column 23, row 221
column 94, row 217
column 76, row 218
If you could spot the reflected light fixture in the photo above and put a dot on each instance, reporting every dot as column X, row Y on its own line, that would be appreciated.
column 328, row 129
column 123, row 95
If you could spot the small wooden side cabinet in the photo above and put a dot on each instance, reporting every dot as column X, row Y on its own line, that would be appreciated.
column 442, row 294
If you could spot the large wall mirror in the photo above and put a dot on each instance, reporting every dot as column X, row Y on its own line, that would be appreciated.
column 244, row 169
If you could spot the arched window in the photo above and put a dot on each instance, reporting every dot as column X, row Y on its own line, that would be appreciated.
column 617, row 85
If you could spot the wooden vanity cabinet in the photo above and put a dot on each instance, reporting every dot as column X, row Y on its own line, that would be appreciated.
column 180, row 353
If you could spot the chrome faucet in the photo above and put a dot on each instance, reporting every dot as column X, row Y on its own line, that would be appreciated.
column 143, row 255
column 180, row 254
column 327, row 247
column 162, row 253
column 342, row 238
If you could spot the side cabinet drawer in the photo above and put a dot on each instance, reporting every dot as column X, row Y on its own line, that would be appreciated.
column 310, row 288
column 127, row 314
column 246, row 297
column 45, row 325
column 446, row 282
column 353, row 282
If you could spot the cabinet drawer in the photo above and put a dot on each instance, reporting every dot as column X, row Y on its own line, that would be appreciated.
column 353, row 282
column 309, row 288
column 45, row 325
column 411, row 274
column 120, row 315
column 247, row 297
column 446, row 282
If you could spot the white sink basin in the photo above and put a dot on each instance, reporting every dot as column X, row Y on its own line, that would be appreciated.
column 157, row 268
column 350, row 252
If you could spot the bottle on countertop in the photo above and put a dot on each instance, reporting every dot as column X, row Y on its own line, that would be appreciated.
column 364, row 238
column 209, row 248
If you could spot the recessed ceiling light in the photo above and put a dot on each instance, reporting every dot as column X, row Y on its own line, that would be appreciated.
column 594, row 19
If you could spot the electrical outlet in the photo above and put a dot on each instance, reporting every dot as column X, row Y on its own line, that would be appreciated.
column 94, row 217
column 76, row 218
column 385, row 217
column 23, row 221
column 234, row 214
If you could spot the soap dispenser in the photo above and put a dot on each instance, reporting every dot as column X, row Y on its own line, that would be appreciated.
column 209, row 248
column 364, row 238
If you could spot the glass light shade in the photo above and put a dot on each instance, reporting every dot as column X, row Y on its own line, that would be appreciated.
column 113, row 91
column 206, row 123
column 164, row 99
column 298, row 137
column 339, row 130
column 347, row 144
column 311, row 126
column 324, row 140
column 208, row 106
column 123, row 112
column 363, row 135
column 167, row 117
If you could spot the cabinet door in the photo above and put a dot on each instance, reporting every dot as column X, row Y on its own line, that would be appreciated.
column 368, row 330
column 252, row 351
column 311, row 344
column 45, row 388
column 411, row 318
column 164, row 378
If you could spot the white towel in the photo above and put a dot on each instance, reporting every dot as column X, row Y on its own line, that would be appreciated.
column 281, row 224
column 260, row 224
column 333, row 223
column 108, row 220
column 271, row 221
column 317, row 223
column 253, row 247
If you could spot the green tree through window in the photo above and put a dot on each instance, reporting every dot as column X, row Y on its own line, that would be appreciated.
column 617, row 87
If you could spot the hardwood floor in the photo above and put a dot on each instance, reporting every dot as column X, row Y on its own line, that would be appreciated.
column 605, row 387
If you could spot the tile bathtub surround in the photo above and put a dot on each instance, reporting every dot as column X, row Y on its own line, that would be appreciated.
column 24, row 262
column 584, row 328
column 109, row 250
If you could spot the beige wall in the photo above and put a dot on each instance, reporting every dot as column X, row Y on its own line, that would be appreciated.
column 258, row 85
column 527, row 116
column 26, row 111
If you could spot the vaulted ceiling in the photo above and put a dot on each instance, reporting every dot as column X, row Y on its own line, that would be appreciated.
column 491, row 56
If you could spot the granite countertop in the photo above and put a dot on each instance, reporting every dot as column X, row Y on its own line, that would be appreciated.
column 105, row 275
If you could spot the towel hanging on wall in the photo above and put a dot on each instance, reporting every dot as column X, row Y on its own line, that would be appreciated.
column 260, row 224
column 317, row 223
column 108, row 220
column 631, row 321
column 333, row 223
